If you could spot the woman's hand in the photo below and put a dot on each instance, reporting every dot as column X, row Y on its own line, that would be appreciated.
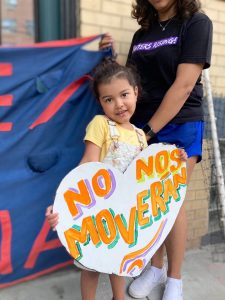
column 183, row 155
column 107, row 42
column 53, row 219
column 147, row 137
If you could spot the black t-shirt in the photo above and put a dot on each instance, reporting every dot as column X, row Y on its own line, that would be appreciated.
column 157, row 54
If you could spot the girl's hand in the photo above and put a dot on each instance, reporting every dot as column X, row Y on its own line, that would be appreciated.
column 183, row 155
column 53, row 219
column 107, row 42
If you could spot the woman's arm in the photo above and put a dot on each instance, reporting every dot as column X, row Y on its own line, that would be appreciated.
column 178, row 93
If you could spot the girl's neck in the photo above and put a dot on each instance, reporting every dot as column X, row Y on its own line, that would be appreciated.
column 127, row 125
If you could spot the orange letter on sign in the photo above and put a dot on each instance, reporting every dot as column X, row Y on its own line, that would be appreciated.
column 74, row 236
column 103, row 189
column 104, row 221
column 180, row 179
column 142, row 167
column 174, row 156
column 161, row 161
column 83, row 196
column 170, row 190
column 155, row 192
column 128, row 235
column 142, row 207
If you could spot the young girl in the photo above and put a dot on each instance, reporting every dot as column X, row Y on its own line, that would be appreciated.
column 113, row 139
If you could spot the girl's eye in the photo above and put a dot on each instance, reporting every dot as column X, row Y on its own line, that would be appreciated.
column 124, row 95
column 108, row 100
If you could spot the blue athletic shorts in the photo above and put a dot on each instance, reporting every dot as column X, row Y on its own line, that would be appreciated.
column 188, row 136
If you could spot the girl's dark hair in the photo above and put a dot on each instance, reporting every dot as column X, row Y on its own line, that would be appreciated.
column 145, row 13
column 109, row 69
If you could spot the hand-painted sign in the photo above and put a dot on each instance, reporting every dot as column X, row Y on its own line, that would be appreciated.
column 113, row 222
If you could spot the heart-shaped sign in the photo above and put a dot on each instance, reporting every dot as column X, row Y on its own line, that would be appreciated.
column 114, row 222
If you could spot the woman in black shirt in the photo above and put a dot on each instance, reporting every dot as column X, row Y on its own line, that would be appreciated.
column 170, row 50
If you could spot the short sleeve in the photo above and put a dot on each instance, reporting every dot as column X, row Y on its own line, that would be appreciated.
column 129, row 56
column 128, row 62
column 197, row 41
column 96, row 131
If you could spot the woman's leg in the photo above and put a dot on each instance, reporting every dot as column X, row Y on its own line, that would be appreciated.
column 175, row 248
column 88, row 282
column 118, row 287
column 176, row 240
column 151, row 278
column 157, row 258
column 175, row 245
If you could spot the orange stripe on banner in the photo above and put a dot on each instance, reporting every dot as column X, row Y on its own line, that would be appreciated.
column 6, row 69
column 6, row 100
column 33, row 276
column 6, row 126
column 58, row 102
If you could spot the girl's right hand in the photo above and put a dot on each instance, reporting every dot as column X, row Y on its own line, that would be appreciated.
column 53, row 219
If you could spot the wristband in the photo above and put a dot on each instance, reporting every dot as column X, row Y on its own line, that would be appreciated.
column 148, row 131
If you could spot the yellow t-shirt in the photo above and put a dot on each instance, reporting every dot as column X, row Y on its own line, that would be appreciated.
column 98, row 132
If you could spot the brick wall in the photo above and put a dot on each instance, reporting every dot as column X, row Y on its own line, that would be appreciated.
column 215, row 9
column 113, row 16
column 197, row 200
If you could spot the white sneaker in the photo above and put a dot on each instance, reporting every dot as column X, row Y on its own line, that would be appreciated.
column 143, row 285
column 173, row 290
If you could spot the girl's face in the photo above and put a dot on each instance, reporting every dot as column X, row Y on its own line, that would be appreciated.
column 163, row 6
column 118, row 100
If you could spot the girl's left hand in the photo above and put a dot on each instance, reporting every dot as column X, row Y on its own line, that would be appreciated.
column 52, row 218
column 183, row 155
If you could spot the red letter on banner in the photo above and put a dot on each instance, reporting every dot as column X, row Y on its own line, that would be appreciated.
column 41, row 245
column 6, row 69
column 5, row 250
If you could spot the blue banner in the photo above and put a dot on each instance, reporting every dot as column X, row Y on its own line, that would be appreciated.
column 45, row 105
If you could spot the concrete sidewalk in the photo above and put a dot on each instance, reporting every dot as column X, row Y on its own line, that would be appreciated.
column 202, row 278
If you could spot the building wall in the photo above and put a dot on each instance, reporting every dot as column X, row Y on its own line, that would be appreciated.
column 113, row 16
column 197, row 200
column 215, row 9
column 17, row 22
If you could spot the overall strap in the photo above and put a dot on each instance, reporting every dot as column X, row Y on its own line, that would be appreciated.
column 114, row 133
column 140, row 137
